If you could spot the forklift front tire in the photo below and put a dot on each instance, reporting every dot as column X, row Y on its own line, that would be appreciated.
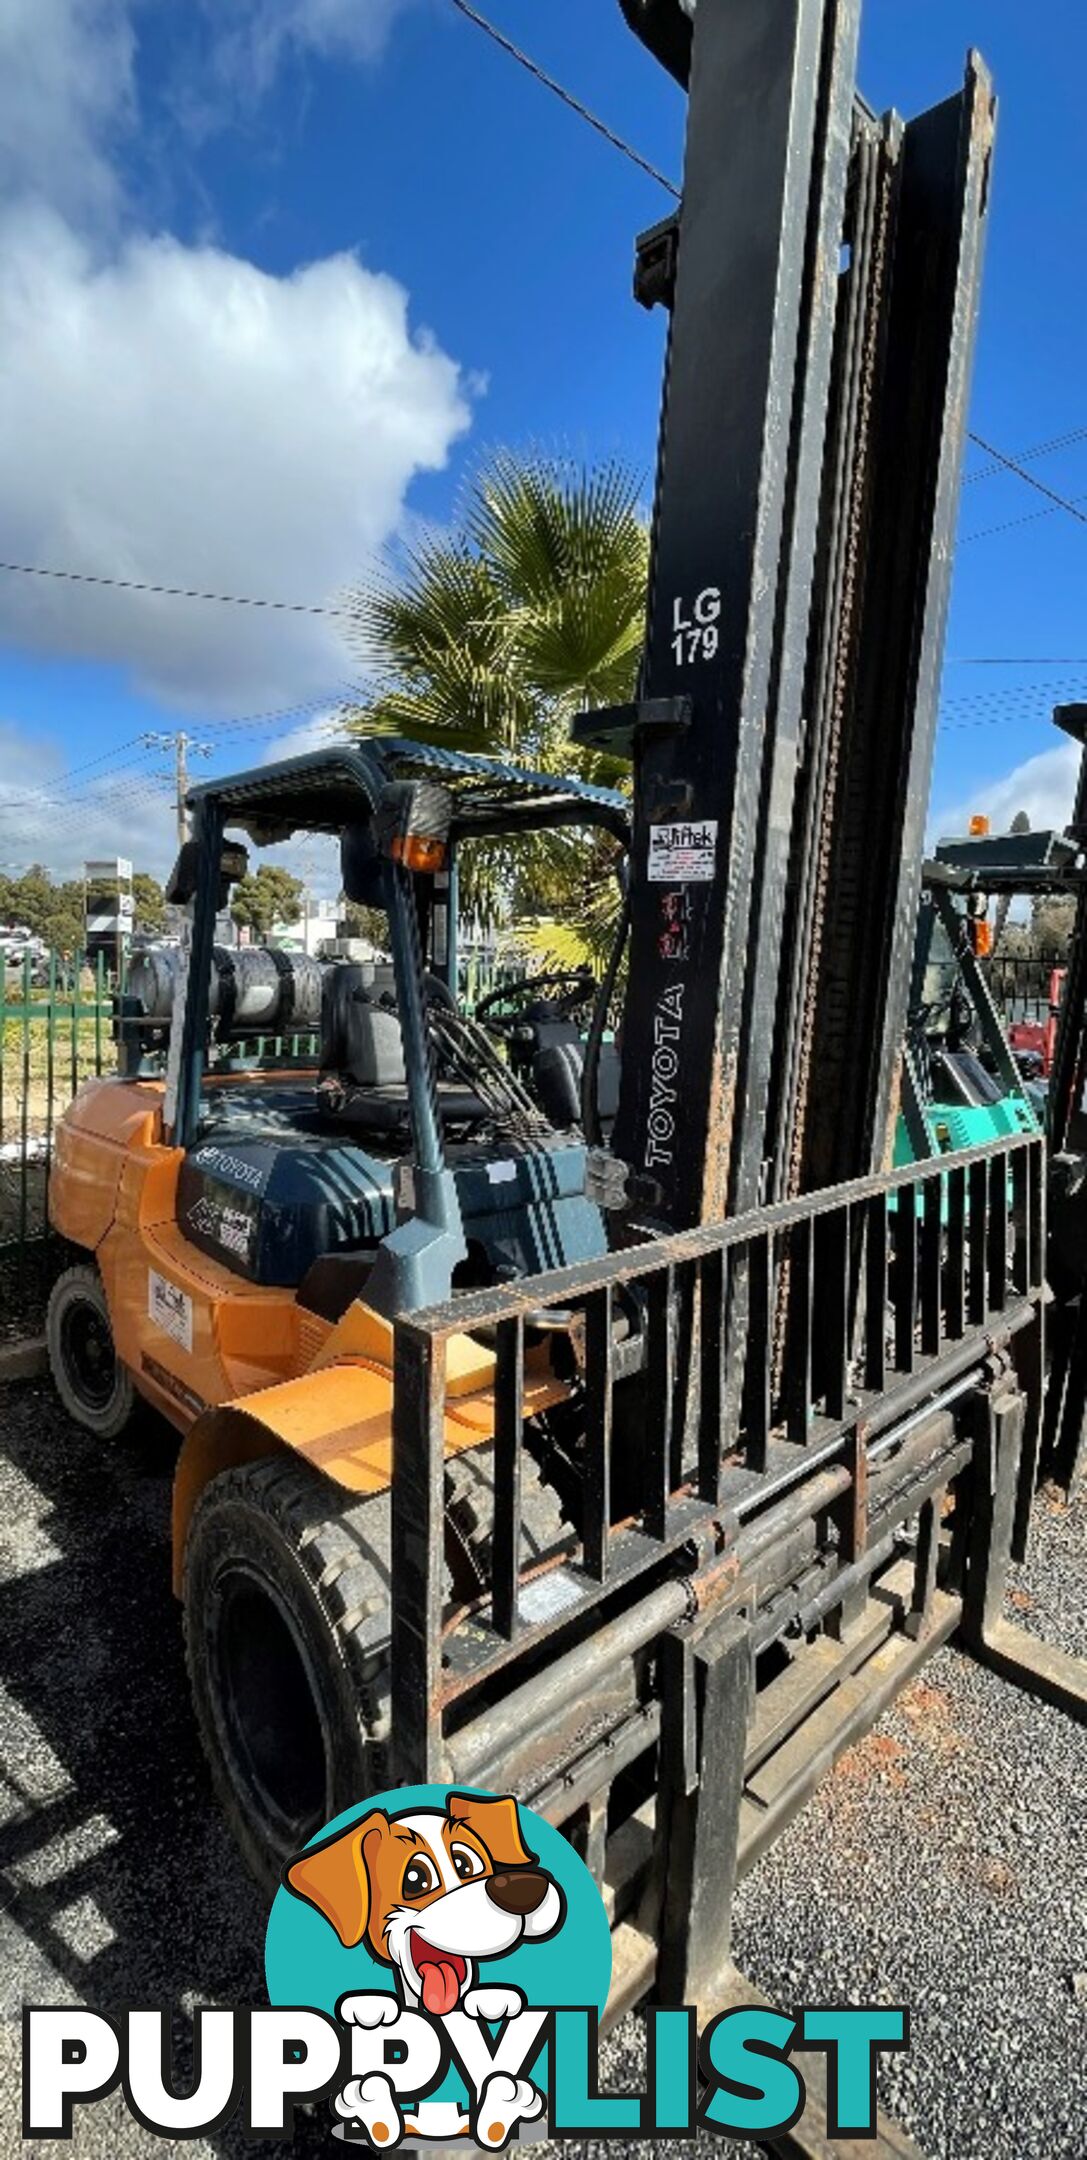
column 93, row 1385
column 286, row 1599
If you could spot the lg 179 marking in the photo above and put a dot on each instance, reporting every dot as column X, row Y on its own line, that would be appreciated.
column 695, row 632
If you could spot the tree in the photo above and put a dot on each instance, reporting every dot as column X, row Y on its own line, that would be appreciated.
column 150, row 902
column 266, row 896
column 493, row 640
column 56, row 912
column 30, row 899
column 370, row 923
column 63, row 928
column 1052, row 923
column 51, row 912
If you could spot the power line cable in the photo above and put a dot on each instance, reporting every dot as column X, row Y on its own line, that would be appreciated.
column 75, row 819
column 61, row 791
column 1007, row 693
column 168, row 592
column 339, row 695
column 1062, row 502
column 1002, row 462
column 79, row 802
column 1025, row 703
column 1027, row 457
column 1014, row 660
column 106, row 757
column 1031, row 454
column 566, row 97
column 1033, row 517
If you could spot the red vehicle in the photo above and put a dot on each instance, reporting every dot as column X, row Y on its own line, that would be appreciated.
column 1041, row 1035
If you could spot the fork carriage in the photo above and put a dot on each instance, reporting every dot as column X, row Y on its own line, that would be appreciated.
column 765, row 1547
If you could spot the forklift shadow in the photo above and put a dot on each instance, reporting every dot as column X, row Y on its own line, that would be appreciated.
column 120, row 1883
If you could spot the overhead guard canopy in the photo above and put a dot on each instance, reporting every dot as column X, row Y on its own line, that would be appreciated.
column 326, row 790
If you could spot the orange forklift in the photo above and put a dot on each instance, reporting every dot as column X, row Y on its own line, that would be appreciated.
column 627, row 1454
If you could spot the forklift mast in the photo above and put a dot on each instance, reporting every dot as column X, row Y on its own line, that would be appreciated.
column 822, row 275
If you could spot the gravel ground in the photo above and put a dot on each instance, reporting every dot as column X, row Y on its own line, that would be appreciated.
column 942, row 1865
column 26, row 1278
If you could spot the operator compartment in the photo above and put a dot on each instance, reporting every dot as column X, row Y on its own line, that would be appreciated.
column 319, row 1103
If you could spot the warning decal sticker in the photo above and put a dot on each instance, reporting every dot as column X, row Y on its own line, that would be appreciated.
column 683, row 854
column 170, row 1309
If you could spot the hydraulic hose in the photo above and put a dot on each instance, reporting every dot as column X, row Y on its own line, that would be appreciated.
column 590, row 1106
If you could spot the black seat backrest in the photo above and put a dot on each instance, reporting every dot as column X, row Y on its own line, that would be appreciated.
column 549, row 1032
column 557, row 1072
column 360, row 1036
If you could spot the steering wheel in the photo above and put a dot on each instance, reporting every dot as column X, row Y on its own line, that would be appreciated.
column 580, row 989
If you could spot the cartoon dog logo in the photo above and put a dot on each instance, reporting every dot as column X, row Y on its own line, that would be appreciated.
column 433, row 1893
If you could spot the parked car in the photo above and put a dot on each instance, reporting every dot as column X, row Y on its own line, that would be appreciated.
column 18, row 944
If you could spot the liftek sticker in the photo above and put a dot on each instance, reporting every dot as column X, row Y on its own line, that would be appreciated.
column 683, row 854
column 170, row 1309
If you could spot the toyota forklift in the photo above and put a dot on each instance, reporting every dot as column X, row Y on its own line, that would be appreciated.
column 631, row 1464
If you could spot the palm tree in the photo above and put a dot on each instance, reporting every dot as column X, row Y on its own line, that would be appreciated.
column 494, row 638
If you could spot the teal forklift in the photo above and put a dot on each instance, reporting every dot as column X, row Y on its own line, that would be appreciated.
column 963, row 1082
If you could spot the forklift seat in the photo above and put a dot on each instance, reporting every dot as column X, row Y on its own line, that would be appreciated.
column 557, row 1072
column 363, row 1078
column 361, row 1043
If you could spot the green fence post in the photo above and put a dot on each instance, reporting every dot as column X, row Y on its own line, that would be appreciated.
column 50, row 1079
column 77, row 971
column 24, row 1193
column 99, row 993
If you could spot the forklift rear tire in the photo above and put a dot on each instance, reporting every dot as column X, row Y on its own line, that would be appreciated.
column 94, row 1387
column 286, row 1598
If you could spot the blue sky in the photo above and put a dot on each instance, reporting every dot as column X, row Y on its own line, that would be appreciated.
column 275, row 271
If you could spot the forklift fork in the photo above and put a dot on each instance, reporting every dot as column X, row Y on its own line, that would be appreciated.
column 1024, row 1659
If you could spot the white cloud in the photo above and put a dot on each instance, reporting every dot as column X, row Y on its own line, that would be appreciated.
column 176, row 415
column 254, row 38
column 66, row 93
column 315, row 734
column 1044, row 786
column 120, row 810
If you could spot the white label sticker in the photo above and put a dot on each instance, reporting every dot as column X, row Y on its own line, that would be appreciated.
column 502, row 1173
column 683, row 854
column 170, row 1309
column 550, row 1594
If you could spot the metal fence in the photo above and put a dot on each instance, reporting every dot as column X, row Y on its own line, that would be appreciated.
column 1022, row 983
column 57, row 1033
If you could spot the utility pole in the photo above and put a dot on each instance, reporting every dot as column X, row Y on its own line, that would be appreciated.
column 183, row 746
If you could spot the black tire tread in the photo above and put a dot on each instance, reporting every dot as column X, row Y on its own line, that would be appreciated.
column 117, row 1419
column 340, row 1545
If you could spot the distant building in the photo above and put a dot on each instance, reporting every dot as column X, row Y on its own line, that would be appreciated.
column 315, row 927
